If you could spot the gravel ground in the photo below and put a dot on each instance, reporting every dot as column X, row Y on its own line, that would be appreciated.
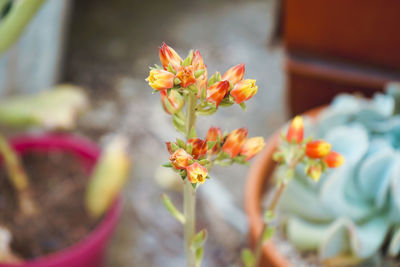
column 111, row 45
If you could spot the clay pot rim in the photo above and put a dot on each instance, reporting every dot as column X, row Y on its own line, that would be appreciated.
column 88, row 153
column 256, row 182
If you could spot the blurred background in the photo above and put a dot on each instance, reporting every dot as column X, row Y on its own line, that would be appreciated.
column 301, row 53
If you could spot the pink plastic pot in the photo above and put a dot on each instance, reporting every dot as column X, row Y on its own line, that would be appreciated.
column 89, row 251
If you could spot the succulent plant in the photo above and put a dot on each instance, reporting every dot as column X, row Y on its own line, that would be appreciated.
column 354, row 211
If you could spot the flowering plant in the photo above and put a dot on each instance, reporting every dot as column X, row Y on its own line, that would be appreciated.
column 185, row 82
column 315, row 155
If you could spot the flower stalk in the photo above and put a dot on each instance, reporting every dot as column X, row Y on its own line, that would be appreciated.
column 189, row 193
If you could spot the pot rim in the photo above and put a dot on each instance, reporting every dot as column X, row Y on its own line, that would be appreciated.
column 85, row 150
column 256, row 182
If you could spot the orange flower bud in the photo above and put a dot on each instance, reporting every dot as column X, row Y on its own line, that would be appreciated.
column 252, row 147
column 217, row 92
column 160, row 79
column 234, row 142
column 169, row 56
column 334, row 159
column 314, row 172
column 317, row 149
column 180, row 159
column 172, row 103
column 198, row 64
column 244, row 90
column 295, row 132
column 196, row 173
column 199, row 147
column 186, row 75
column 214, row 134
column 234, row 74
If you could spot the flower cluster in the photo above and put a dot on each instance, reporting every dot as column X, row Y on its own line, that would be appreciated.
column 177, row 75
column 194, row 158
column 316, row 155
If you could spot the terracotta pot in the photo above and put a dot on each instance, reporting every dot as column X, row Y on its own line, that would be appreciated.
column 89, row 251
column 258, row 180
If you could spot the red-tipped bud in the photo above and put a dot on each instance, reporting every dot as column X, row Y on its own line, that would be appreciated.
column 169, row 56
column 234, row 142
column 169, row 147
column 317, row 149
column 196, row 173
column 234, row 74
column 214, row 134
column 186, row 76
column 180, row 159
column 217, row 92
column 161, row 79
column 314, row 172
column 295, row 132
column 334, row 159
column 252, row 147
column 199, row 147
column 244, row 90
column 172, row 103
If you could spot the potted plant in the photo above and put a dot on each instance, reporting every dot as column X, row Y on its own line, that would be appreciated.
column 184, row 82
column 349, row 217
column 52, row 213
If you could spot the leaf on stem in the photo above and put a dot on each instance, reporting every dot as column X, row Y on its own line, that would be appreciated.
column 248, row 258
column 198, row 240
column 268, row 233
column 172, row 209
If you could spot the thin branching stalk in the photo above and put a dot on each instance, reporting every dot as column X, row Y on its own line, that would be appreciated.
column 271, row 209
column 189, row 193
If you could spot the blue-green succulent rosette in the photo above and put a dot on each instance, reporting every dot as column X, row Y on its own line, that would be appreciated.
column 353, row 211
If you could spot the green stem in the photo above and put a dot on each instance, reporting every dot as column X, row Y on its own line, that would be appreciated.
column 189, row 193
column 18, row 177
column 12, row 26
column 271, row 209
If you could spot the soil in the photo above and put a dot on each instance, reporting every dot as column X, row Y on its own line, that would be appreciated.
column 58, row 181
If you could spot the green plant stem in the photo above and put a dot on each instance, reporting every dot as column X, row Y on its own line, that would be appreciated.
column 189, row 193
column 12, row 26
column 18, row 177
column 271, row 209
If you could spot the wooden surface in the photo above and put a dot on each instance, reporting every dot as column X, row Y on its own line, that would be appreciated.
column 361, row 31
column 33, row 63
column 313, row 82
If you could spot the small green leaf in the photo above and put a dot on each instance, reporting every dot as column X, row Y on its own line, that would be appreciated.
column 204, row 162
column 167, row 165
column 172, row 209
column 268, row 233
column 192, row 133
column 171, row 69
column 248, row 258
column 198, row 240
column 189, row 148
column 198, row 73
column 243, row 106
column 211, row 144
column 269, row 215
column 218, row 76
column 212, row 80
column 178, row 124
column 188, row 59
column 174, row 147
column 180, row 143
column 199, row 256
